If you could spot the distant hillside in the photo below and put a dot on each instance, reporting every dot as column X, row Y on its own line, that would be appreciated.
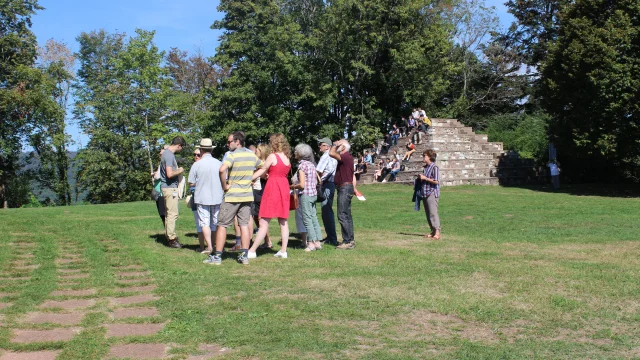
column 31, row 162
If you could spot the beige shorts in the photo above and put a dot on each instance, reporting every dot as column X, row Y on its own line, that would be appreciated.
column 228, row 211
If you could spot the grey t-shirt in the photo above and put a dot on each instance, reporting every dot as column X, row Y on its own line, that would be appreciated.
column 168, row 159
column 206, row 175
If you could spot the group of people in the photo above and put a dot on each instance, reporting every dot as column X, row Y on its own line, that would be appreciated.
column 251, row 185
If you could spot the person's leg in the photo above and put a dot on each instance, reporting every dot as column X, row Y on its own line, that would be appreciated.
column 432, row 231
column 225, row 219
column 203, row 216
column 238, row 233
column 345, row 193
column 328, row 217
column 284, row 234
column 162, row 210
column 434, row 219
column 263, row 229
column 244, row 217
column 315, row 224
column 196, row 218
column 171, row 205
column 556, row 182
column 305, row 211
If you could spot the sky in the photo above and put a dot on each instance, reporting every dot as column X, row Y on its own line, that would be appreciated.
column 184, row 24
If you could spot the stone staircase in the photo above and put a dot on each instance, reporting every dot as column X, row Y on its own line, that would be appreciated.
column 464, row 158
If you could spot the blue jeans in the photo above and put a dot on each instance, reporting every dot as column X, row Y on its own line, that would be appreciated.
column 345, row 193
column 328, row 218
column 393, row 175
column 394, row 139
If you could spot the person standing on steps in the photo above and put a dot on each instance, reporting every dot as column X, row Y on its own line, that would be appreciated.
column 345, row 185
column 430, row 178
column 327, row 169
column 170, row 175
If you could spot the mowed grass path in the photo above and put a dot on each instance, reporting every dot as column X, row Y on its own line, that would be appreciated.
column 518, row 273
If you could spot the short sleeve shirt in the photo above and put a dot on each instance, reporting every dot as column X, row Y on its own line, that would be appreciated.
column 327, row 165
column 168, row 159
column 310, row 178
column 242, row 163
column 344, row 171
column 206, row 175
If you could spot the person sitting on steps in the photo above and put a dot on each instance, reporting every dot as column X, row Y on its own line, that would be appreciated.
column 411, row 148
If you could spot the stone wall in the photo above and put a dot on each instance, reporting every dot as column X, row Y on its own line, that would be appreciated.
column 463, row 157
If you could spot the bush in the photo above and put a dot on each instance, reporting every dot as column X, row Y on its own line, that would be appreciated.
column 524, row 133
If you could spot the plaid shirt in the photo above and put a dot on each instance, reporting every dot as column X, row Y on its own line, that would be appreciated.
column 310, row 178
column 432, row 172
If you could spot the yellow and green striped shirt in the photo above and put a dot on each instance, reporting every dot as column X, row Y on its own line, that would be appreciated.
column 242, row 162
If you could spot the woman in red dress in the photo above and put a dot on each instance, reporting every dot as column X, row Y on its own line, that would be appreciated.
column 275, row 198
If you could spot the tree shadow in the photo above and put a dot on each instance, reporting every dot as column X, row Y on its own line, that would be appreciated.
column 513, row 171
column 591, row 189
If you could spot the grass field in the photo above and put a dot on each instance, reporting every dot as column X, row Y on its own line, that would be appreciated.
column 518, row 274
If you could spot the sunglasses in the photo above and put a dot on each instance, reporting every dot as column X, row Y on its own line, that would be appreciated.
column 197, row 155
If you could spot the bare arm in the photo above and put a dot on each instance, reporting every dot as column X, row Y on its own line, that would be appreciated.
column 171, row 173
column 267, row 164
column 301, row 181
column 223, row 177
column 333, row 152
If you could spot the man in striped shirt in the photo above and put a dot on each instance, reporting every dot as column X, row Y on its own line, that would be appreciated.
column 240, row 163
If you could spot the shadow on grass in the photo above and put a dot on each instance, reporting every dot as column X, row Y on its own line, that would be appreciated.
column 592, row 189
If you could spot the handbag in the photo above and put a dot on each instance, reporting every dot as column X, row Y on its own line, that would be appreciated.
column 320, row 190
column 293, row 195
column 293, row 200
column 156, row 192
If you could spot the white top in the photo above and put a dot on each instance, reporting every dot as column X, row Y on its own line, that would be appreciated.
column 327, row 166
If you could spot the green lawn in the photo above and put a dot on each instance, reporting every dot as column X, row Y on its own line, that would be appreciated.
column 518, row 273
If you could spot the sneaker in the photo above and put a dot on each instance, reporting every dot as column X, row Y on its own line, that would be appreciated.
column 252, row 255
column 346, row 246
column 280, row 255
column 175, row 244
column 243, row 260
column 235, row 247
column 213, row 260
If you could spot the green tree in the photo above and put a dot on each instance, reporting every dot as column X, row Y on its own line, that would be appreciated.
column 23, row 93
column 332, row 68
column 590, row 86
column 121, row 96
column 49, row 139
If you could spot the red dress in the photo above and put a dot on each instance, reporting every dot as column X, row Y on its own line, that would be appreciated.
column 275, row 198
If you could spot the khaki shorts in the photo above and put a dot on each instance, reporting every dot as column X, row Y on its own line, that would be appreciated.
column 228, row 211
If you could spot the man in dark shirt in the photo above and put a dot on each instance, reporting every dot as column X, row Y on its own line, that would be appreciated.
column 344, row 181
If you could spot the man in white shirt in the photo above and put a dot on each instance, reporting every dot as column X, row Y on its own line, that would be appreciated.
column 327, row 169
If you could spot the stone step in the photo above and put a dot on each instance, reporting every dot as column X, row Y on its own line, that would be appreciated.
column 451, row 182
column 437, row 122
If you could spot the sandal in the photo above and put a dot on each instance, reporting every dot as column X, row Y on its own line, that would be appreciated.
column 428, row 236
column 309, row 248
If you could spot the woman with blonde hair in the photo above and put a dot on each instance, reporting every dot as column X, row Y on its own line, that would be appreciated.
column 262, row 151
column 307, row 182
column 275, row 198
